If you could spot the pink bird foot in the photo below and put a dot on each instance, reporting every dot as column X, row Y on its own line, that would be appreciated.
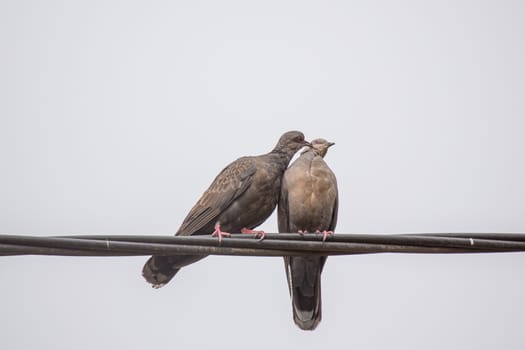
column 325, row 234
column 220, row 233
column 257, row 233
column 301, row 232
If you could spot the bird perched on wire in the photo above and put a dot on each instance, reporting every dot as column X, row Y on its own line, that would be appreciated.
column 308, row 203
column 241, row 197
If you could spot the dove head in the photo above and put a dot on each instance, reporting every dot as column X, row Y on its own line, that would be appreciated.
column 291, row 142
column 321, row 146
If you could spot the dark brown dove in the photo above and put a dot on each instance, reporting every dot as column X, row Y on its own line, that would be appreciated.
column 240, row 198
column 308, row 203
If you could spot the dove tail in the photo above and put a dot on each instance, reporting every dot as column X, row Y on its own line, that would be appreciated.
column 304, row 282
column 159, row 270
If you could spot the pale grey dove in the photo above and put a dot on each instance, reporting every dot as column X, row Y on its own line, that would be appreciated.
column 308, row 203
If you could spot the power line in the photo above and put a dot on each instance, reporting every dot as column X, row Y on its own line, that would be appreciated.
column 273, row 245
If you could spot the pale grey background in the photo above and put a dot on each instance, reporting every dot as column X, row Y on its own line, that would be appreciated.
column 116, row 115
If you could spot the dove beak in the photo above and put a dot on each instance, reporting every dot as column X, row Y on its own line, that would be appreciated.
column 306, row 143
column 330, row 144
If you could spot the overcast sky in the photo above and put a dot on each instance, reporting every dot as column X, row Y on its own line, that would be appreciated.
column 115, row 116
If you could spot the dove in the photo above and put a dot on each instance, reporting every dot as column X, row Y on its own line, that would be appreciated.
column 240, row 198
column 308, row 203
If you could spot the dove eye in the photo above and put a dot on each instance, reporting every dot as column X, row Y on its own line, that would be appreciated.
column 298, row 139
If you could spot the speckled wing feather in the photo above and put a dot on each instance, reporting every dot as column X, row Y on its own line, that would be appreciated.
column 230, row 184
